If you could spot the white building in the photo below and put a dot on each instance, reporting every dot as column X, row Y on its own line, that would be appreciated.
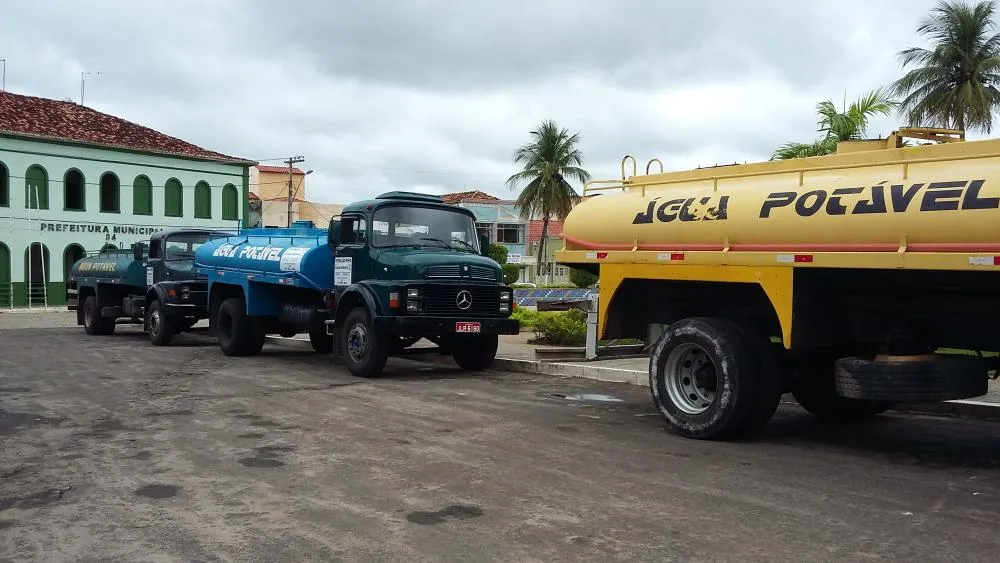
column 74, row 180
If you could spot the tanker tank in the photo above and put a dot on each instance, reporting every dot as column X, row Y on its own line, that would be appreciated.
column 273, row 255
column 118, row 265
column 851, row 202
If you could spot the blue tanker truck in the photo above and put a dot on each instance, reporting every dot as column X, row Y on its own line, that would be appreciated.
column 152, row 284
column 386, row 273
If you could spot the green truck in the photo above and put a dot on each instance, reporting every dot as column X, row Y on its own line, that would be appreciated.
column 153, row 284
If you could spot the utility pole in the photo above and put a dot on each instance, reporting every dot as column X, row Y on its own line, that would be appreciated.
column 290, row 162
column 82, row 74
column 3, row 76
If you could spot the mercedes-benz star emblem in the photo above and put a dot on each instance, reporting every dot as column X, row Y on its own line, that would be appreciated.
column 463, row 299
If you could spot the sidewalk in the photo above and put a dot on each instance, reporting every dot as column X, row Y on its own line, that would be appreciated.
column 515, row 354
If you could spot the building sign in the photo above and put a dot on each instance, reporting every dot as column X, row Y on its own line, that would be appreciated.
column 514, row 259
column 110, row 232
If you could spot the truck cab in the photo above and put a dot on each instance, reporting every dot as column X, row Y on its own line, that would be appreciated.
column 409, row 266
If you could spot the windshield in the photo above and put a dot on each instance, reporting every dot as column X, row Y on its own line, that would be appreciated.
column 424, row 226
column 179, row 249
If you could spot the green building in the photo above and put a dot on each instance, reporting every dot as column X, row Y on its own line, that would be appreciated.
column 74, row 180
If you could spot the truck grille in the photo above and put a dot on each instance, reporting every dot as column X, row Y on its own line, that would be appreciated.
column 444, row 271
column 442, row 300
column 455, row 271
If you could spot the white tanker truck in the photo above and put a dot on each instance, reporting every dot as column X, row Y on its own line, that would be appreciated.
column 844, row 279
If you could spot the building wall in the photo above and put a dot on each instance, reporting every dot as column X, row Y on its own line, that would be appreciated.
column 320, row 213
column 64, row 233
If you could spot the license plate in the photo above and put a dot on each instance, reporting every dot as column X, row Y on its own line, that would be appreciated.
column 466, row 327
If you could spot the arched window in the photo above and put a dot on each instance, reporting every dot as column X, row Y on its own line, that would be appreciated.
column 142, row 196
column 230, row 203
column 72, row 253
column 37, row 272
column 6, row 291
column 4, row 186
column 36, row 188
column 74, row 191
column 110, row 193
column 173, row 198
column 202, row 200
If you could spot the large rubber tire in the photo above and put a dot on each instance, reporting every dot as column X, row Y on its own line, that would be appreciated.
column 320, row 340
column 93, row 323
column 815, row 391
column 709, row 380
column 233, row 328
column 159, row 325
column 475, row 353
column 364, row 351
column 941, row 378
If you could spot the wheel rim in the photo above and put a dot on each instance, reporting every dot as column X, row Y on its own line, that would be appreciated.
column 357, row 342
column 87, row 316
column 154, row 323
column 690, row 378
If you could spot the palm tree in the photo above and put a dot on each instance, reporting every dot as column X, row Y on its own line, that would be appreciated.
column 548, row 159
column 955, row 82
column 848, row 124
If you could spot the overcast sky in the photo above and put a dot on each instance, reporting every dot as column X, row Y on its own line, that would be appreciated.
column 435, row 95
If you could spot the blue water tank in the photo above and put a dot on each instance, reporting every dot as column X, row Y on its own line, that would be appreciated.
column 295, row 252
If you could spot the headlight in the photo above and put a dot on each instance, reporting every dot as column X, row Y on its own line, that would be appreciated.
column 185, row 292
column 504, row 296
column 413, row 306
column 505, row 307
column 412, row 293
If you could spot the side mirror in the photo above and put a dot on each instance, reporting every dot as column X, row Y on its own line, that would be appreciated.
column 333, row 234
column 484, row 244
column 137, row 251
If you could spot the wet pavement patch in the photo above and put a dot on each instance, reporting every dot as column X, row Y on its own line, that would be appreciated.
column 588, row 397
column 235, row 411
column 4, row 524
column 249, row 416
column 251, row 435
column 13, row 420
column 264, row 462
column 264, row 423
column 269, row 451
column 15, row 389
column 143, row 455
column 182, row 412
column 106, row 426
column 157, row 491
column 34, row 500
column 453, row 512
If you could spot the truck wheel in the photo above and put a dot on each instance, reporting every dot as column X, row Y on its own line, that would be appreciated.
column 708, row 379
column 93, row 323
column 475, row 353
column 935, row 378
column 815, row 391
column 159, row 325
column 364, row 350
column 233, row 328
column 320, row 340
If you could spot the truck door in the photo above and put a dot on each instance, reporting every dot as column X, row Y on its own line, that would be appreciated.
column 154, row 263
column 351, row 254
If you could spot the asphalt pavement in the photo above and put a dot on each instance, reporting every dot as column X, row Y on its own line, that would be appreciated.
column 115, row 450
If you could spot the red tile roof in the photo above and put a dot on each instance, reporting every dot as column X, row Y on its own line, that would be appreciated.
column 278, row 169
column 68, row 121
column 475, row 195
column 535, row 229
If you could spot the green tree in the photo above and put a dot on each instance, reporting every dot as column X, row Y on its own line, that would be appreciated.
column 548, row 160
column 954, row 84
column 848, row 124
column 498, row 253
column 582, row 278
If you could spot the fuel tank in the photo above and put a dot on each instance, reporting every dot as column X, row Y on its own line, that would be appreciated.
column 119, row 266
column 297, row 251
column 935, row 198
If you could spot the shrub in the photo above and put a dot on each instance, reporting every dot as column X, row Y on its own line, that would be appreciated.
column 582, row 278
column 498, row 253
column 510, row 273
column 564, row 328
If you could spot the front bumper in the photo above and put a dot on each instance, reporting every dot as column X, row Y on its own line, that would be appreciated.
column 424, row 326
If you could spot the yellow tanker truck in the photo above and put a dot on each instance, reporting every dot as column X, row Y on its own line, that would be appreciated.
column 841, row 278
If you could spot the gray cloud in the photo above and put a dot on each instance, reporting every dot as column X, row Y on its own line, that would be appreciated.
column 435, row 95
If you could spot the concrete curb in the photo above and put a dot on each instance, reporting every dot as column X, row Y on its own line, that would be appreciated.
column 962, row 409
